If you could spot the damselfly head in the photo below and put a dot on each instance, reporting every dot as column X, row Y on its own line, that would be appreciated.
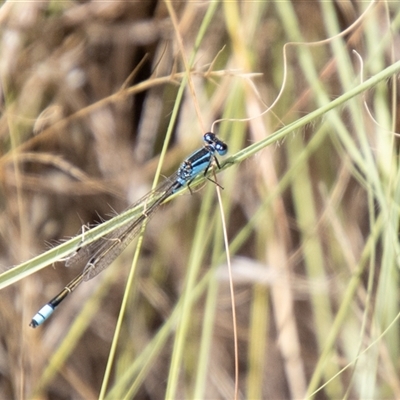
column 218, row 145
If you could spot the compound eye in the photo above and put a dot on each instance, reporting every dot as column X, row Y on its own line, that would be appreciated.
column 209, row 138
column 221, row 148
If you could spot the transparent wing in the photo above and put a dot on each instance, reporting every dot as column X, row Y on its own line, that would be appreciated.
column 97, row 255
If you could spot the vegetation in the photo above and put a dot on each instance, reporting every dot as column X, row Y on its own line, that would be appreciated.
column 101, row 100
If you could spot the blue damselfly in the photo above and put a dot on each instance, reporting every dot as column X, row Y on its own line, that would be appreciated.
column 99, row 254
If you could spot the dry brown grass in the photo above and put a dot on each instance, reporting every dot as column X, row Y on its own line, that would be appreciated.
column 312, row 219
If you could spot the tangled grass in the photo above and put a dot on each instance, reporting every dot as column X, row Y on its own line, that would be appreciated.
column 101, row 98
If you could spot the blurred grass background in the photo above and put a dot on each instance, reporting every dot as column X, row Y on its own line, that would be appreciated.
column 312, row 217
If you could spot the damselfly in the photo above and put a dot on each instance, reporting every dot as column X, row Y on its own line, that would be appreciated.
column 99, row 254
